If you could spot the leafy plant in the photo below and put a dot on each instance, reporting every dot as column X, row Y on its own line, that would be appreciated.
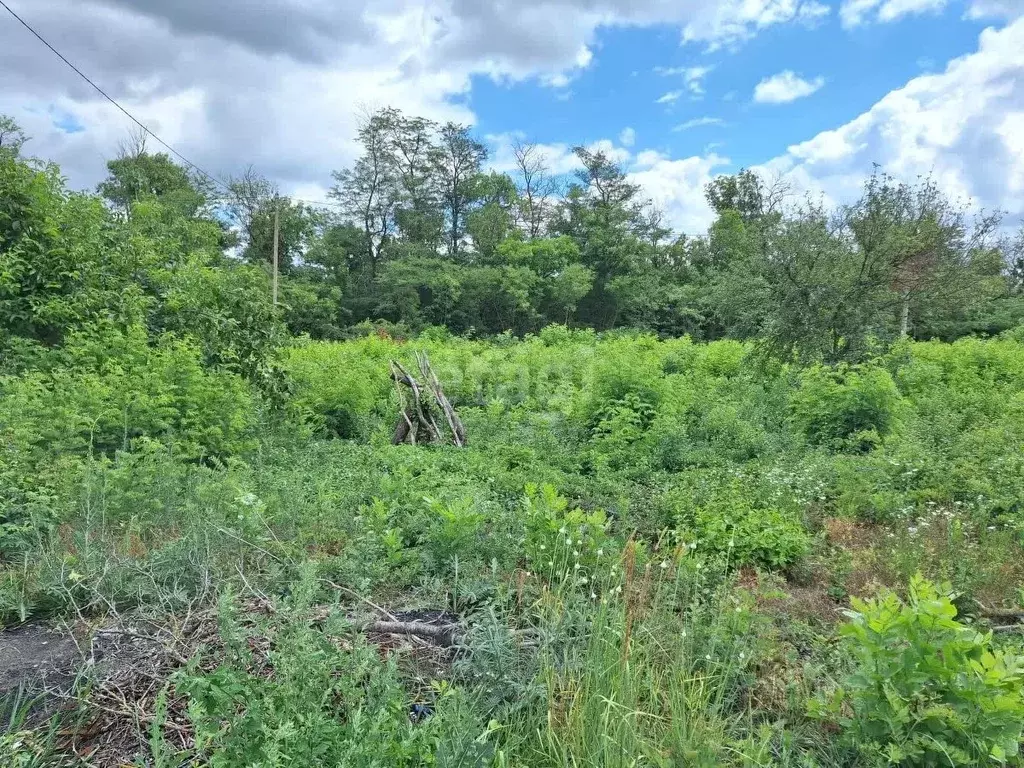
column 845, row 407
column 299, row 711
column 564, row 542
column 927, row 690
column 729, row 521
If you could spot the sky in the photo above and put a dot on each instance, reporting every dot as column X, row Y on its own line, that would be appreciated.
column 816, row 92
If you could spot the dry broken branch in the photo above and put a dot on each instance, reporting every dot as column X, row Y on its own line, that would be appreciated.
column 442, row 634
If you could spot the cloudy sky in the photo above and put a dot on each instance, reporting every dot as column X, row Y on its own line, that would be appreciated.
column 678, row 90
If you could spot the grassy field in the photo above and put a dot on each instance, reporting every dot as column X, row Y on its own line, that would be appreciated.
column 641, row 558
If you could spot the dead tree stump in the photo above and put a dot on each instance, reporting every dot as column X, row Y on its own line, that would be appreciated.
column 426, row 414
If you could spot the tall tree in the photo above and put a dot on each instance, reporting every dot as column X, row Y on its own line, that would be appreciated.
column 419, row 216
column 456, row 161
column 252, row 205
column 918, row 243
column 137, row 174
column 369, row 192
column 492, row 221
column 536, row 188
column 602, row 213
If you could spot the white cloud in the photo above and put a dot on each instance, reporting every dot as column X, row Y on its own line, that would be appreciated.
column 282, row 89
column 963, row 127
column 698, row 122
column 692, row 76
column 668, row 98
column 677, row 187
column 729, row 22
column 785, row 87
column 628, row 137
column 853, row 13
column 619, row 155
column 812, row 13
column 1004, row 9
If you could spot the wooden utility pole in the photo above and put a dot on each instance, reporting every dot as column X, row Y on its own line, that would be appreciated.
column 277, row 226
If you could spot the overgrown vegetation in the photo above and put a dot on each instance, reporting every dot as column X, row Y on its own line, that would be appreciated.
column 640, row 557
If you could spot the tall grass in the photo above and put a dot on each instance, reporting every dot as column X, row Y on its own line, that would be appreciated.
column 645, row 668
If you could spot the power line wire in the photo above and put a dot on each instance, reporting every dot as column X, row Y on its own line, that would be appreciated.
column 109, row 98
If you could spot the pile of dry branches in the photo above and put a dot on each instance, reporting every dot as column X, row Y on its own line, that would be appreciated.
column 423, row 406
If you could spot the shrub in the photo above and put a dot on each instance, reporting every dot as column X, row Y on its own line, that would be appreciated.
column 625, row 376
column 338, row 386
column 118, row 388
column 298, row 710
column 927, row 689
column 846, row 407
column 731, row 522
column 453, row 532
column 721, row 358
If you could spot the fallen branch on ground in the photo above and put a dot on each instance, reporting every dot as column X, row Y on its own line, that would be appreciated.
column 442, row 634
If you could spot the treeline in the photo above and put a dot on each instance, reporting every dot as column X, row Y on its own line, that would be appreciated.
column 422, row 234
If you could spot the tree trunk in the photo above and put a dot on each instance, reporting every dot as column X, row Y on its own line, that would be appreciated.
column 905, row 315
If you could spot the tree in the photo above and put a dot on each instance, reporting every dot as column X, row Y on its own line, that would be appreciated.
column 566, row 289
column 369, row 192
column 12, row 138
column 730, row 267
column 536, row 187
column 456, row 162
column 252, row 205
column 602, row 212
column 914, row 241
column 492, row 221
column 747, row 194
column 136, row 175
column 419, row 216
column 835, row 285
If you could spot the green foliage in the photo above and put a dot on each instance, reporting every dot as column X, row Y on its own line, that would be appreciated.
column 167, row 433
column 563, row 543
column 301, row 712
column 136, row 176
column 624, row 380
column 731, row 521
column 928, row 689
column 117, row 389
column 846, row 407
column 337, row 388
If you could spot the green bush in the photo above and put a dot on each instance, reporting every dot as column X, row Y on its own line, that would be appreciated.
column 928, row 690
column 564, row 542
column 117, row 388
column 626, row 376
column 337, row 387
column 730, row 521
column 845, row 407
